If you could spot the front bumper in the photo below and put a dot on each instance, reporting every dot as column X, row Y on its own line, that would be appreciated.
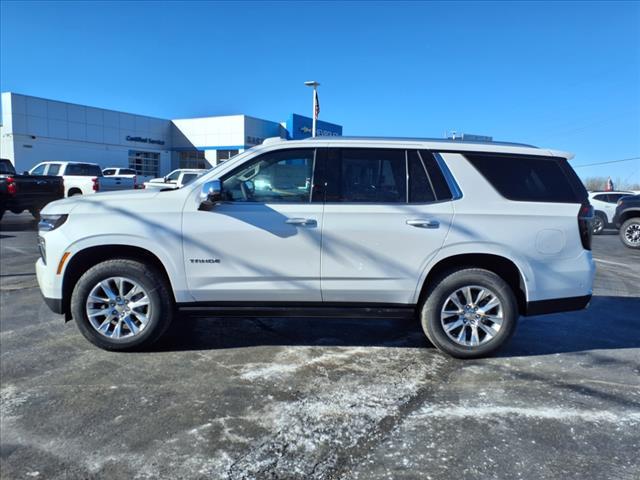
column 54, row 304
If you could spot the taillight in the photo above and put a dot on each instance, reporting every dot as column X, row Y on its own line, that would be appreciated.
column 12, row 188
column 585, row 219
column 96, row 185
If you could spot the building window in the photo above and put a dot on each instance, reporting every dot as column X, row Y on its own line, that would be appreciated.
column 192, row 159
column 146, row 164
column 224, row 155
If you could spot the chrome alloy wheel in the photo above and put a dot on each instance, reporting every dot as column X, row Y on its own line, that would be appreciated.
column 472, row 316
column 632, row 234
column 118, row 307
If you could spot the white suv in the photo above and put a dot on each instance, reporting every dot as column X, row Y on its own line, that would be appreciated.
column 604, row 206
column 467, row 236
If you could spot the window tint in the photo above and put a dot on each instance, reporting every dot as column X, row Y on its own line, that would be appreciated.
column 436, row 176
column 127, row 171
column 420, row 190
column 614, row 197
column 83, row 170
column 54, row 169
column 367, row 175
column 529, row 179
column 108, row 172
column 173, row 176
column 281, row 176
column 39, row 170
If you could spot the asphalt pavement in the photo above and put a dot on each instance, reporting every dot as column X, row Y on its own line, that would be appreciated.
column 317, row 398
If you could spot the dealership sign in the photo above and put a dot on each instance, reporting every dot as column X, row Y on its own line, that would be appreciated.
column 144, row 140
column 300, row 127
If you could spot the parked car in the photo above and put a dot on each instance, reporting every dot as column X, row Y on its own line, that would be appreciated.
column 176, row 179
column 627, row 219
column 466, row 236
column 138, row 181
column 82, row 178
column 604, row 206
column 25, row 192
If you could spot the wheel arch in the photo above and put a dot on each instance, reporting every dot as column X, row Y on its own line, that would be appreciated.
column 84, row 259
column 627, row 214
column 498, row 264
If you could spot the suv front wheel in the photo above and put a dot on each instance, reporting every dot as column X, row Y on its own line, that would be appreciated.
column 469, row 313
column 122, row 305
column 630, row 232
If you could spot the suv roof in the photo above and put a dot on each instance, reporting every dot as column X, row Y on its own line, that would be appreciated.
column 439, row 144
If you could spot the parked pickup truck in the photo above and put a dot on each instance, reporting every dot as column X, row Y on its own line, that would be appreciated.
column 82, row 178
column 24, row 192
column 138, row 180
column 176, row 179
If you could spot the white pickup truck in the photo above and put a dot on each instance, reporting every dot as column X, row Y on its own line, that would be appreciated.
column 174, row 180
column 82, row 178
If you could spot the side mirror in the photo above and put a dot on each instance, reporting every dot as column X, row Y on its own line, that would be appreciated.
column 210, row 194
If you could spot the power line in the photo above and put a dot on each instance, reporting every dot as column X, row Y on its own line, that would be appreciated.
column 606, row 163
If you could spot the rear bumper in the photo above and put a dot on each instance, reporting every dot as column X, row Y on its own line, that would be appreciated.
column 556, row 305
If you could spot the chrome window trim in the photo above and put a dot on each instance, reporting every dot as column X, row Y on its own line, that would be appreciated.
column 456, row 192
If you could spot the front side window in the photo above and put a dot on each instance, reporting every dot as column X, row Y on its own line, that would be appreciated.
column 188, row 177
column 109, row 172
column 173, row 176
column 280, row 176
column 39, row 170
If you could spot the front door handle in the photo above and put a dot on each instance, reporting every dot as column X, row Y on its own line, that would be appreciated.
column 305, row 222
column 421, row 223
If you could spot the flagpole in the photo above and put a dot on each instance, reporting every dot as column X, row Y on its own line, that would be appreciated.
column 315, row 85
column 315, row 96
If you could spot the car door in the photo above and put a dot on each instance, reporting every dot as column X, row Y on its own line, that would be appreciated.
column 262, row 244
column 387, row 213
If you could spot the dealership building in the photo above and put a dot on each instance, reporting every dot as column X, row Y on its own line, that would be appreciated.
column 37, row 129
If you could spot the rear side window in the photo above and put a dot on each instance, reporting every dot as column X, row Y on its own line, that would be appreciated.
column 127, row 171
column 530, row 179
column 366, row 175
column 83, row 170
column 420, row 188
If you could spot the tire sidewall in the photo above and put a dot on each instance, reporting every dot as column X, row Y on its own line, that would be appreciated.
column 623, row 229
column 449, row 283
column 161, row 305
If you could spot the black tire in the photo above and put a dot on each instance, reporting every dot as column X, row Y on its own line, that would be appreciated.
column 1, row 214
column 159, row 293
column 630, row 233
column 16, row 212
column 599, row 223
column 435, row 300
column 35, row 213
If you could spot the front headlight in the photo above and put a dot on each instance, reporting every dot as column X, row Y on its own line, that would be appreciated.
column 51, row 222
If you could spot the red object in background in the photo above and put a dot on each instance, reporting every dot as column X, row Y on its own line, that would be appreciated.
column 609, row 187
column 96, row 185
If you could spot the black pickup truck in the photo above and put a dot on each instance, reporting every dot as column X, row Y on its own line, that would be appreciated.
column 26, row 192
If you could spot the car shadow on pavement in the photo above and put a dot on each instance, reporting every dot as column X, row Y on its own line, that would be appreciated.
column 609, row 323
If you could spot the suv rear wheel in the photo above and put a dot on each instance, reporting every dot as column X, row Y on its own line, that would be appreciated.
column 599, row 222
column 630, row 232
column 122, row 305
column 469, row 313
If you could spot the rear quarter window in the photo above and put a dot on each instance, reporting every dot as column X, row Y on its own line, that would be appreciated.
column 83, row 170
column 530, row 178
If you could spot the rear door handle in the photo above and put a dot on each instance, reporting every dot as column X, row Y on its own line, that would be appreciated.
column 305, row 222
column 421, row 223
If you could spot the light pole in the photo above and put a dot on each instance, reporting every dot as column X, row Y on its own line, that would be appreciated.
column 315, row 85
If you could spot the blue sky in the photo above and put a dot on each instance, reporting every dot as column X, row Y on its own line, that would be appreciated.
column 563, row 75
